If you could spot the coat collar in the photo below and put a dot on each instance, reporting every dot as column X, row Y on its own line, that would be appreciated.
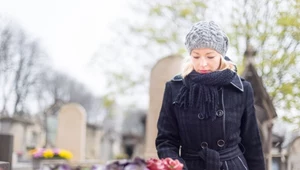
column 236, row 82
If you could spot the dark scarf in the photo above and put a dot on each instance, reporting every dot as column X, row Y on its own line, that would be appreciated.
column 200, row 91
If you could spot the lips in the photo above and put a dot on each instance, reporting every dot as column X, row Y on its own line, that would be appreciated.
column 204, row 71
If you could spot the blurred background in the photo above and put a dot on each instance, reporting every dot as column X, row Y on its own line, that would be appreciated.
column 101, row 55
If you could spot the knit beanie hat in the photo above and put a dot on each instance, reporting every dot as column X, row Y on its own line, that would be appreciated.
column 207, row 34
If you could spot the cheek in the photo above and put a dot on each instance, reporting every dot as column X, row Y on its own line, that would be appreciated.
column 216, row 64
column 194, row 63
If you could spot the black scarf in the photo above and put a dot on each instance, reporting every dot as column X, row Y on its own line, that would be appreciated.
column 200, row 91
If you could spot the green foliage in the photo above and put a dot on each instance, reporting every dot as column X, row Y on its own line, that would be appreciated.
column 274, row 32
column 108, row 101
column 270, row 26
column 168, row 21
column 159, row 34
column 121, row 156
column 292, row 120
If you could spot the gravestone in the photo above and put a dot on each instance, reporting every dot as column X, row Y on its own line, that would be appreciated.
column 4, row 166
column 71, row 130
column 294, row 155
column 6, row 150
column 164, row 70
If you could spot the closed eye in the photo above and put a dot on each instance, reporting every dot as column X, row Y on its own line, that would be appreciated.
column 210, row 57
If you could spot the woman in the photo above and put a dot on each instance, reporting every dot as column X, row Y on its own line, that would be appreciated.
column 207, row 120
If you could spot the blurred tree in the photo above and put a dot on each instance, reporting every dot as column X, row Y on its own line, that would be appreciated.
column 166, row 24
column 56, row 89
column 26, row 79
column 271, row 27
column 21, row 58
column 6, row 65
column 29, row 63
column 157, row 31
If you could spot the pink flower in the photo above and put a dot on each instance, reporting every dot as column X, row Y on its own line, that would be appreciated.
column 56, row 151
column 155, row 164
column 164, row 164
column 171, row 164
column 38, row 153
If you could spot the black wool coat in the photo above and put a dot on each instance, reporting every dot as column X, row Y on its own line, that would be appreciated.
column 230, row 142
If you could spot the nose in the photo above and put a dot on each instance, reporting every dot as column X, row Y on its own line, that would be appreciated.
column 203, row 62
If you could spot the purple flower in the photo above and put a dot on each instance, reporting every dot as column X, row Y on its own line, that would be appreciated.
column 98, row 167
column 56, row 151
column 136, row 164
column 94, row 167
column 38, row 153
column 64, row 167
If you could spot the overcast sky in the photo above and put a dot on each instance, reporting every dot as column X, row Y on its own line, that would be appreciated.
column 69, row 30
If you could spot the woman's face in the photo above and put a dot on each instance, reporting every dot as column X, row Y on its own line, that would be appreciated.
column 205, row 60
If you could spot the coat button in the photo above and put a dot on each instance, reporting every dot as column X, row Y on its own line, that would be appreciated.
column 200, row 116
column 221, row 143
column 220, row 113
column 204, row 145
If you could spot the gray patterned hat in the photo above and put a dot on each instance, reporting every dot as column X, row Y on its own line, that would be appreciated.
column 207, row 34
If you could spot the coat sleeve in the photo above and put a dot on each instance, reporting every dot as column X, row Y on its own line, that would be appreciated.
column 250, row 133
column 168, row 140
